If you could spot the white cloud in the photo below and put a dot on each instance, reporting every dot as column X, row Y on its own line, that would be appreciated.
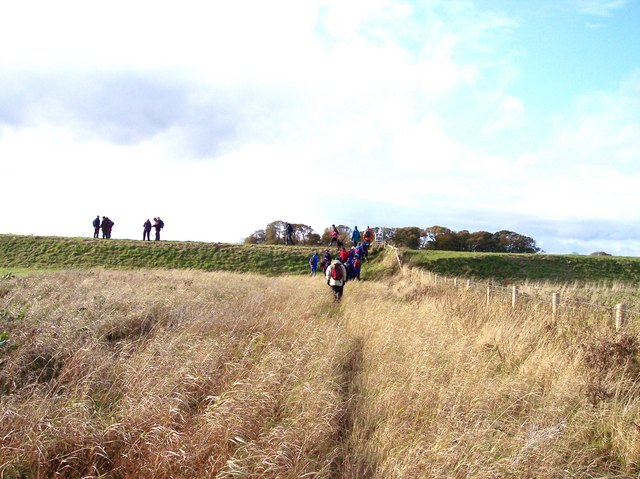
column 600, row 8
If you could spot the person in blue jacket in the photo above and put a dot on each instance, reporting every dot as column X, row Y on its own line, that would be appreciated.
column 355, row 236
column 96, row 227
column 313, row 263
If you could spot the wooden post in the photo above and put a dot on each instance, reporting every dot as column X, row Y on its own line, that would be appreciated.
column 468, row 284
column 514, row 296
column 422, row 275
column 488, row 295
column 621, row 315
column 395, row 250
column 435, row 279
column 555, row 304
column 455, row 282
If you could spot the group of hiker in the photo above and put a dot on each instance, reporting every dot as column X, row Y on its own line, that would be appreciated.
column 158, row 224
column 347, row 264
column 106, row 226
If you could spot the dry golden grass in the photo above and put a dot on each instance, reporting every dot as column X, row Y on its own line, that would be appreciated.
column 191, row 374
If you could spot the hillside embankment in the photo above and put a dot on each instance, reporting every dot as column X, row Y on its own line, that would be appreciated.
column 521, row 267
column 192, row 374
column 46, row 252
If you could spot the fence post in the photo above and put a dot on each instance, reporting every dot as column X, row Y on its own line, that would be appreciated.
column 395, row 250
column 455, row 282
column 488, row 295
column 621, row 315
column 468, row 284
column 514, row 296
column 555, row 304
column 435, row 279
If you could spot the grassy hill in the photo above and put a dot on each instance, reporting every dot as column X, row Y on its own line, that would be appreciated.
column 515, row 267
column 46, row 252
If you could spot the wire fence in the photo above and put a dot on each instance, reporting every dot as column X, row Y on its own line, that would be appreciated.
column 519, row 294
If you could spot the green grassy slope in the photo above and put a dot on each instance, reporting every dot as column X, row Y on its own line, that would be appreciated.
column 45, row 252
column 27, row 252
column 527, row 266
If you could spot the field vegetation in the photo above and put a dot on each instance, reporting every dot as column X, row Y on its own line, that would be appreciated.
column 187, row 374
column 47, row 252
column 521, row 267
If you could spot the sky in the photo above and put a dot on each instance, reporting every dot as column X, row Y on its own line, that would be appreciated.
column 221, row 117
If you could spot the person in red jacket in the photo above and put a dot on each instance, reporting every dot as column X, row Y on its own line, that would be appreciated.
column 344, row 255
column 368, row 235
column 334, row 235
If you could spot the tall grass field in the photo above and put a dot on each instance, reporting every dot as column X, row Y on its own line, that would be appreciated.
column 156, row 373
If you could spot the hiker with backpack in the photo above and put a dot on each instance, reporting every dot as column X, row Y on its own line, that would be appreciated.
column 334, row 235
column 365, row 251
column 336, row 276
column 96, row 227
column 357, row 266
column 348, row 266
column 326, row 261
column 110, row 227
column 368, row 235
column 146, row 232
column 158, row 224
column 106, row 225
column 313, row 263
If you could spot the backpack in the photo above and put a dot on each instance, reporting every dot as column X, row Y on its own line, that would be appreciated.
column 356, row 264
column 336, row 272
column 161, row 224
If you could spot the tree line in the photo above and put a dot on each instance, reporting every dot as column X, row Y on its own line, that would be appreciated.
column 413, row 237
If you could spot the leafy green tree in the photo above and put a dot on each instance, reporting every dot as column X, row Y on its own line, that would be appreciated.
column 440, row 238
column 304, row 234
column 274, row 232
column 313, row 239
column 408, row 237
column 511, row 242
column 345, row 234
column 482, row 242
column 258, row 237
